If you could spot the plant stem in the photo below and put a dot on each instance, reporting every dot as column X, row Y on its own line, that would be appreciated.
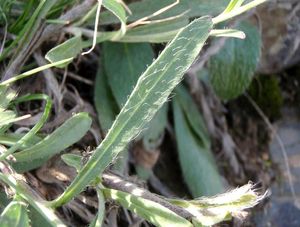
column 238, row 11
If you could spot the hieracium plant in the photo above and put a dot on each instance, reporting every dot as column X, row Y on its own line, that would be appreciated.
column 174, row 23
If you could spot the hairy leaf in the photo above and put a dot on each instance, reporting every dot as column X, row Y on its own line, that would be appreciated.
column 64, row 136
column 196, row 160
column 190, row 8
column 105, row 103
column 209, row 211
column 151, row 92
column 123, row 65
column 233, row 67
column 156, row 32
column 69, row 49
column 192, row 115
column 152, row 136
column 147, row 209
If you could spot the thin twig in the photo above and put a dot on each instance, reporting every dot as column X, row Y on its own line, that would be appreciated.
column 76, row 77
column 279, row 140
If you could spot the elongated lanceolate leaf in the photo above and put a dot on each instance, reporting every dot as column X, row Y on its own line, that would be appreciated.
column 123, row 65
column 106, row 105
column 151, row 92
column 147, row 209
column 64, row 136
column 156, row 32
column 69, row 49
column 196, row 160
column 190, row 8
column 192, row 116
column 233, row 67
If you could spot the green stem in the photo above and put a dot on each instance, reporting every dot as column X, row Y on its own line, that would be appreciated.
column 33, row 71
column 236, row 12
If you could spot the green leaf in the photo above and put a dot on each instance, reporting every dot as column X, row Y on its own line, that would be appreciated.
column 195, row 157
column 64, row 136
column 117, row 10
column 73, row 160
column 37, row 220
column 15, row 215
column 209, row 211
column 6, row 116
column 106, row 106
column 6, row 96
column 233, row 67
column 68, row 49
column 23, row 190
column 147, row 209
column 131, row 61
column 152, row 136
column 192, row 115
column 155, row 32
column 151, row 92
column 36, row 127
column 4, row 201
column 9, row 139
column 228, row 33
column 190, row 8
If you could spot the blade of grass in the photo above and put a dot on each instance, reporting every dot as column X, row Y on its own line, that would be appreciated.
column 25, row 36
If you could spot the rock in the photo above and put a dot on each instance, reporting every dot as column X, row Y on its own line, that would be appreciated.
column 280, row 26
